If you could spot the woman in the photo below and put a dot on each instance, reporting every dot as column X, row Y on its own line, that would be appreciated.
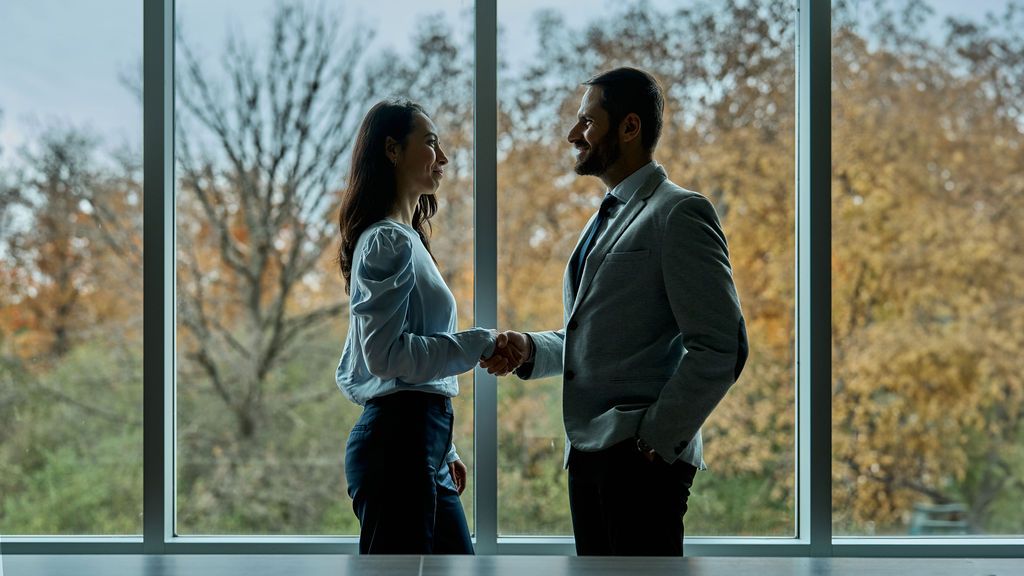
column 402, row 352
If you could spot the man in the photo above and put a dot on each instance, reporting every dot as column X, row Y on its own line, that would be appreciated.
column 653, row 335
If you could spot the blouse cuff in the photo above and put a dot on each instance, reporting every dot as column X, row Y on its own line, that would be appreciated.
column 452, row 455
column 492, row 342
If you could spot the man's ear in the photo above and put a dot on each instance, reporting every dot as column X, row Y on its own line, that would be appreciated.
column 391, row 150
column 629, row 128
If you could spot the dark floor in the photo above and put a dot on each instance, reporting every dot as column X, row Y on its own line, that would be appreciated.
column 334, row 565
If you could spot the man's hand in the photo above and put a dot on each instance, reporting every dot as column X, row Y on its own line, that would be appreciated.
column 646, row 451
column 459, row 475
column 510, row 350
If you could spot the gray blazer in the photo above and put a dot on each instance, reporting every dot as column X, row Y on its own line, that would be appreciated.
column 655, row 337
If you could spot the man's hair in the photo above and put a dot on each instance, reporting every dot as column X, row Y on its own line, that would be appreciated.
column 626, row 90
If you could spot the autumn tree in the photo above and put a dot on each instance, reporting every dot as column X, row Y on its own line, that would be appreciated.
column 8, row 199
column 52, row 255
column 927, row 272
column 70, row 337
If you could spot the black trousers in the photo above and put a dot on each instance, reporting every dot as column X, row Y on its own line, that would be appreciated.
column 401, row 488
column 624, row 505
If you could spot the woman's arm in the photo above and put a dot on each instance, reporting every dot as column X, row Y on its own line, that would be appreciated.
column 385, row 277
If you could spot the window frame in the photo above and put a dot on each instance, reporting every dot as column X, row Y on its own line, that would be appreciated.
column 813, row 343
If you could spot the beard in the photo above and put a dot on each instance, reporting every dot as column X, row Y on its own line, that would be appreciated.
column 598, row 158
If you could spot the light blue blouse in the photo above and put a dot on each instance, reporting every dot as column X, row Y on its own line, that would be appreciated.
column 402, row 322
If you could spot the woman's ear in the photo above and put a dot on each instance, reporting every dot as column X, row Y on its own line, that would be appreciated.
column 391, row 150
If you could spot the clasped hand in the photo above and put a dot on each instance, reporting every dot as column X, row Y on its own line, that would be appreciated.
column 511, row 349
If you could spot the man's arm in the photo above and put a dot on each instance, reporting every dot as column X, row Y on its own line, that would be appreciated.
column 702, row 295
column 547, row 355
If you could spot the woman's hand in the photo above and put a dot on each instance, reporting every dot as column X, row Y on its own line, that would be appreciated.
column 460, row 475
column 511, row 349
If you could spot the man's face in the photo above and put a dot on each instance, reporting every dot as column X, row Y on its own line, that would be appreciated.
column 596, row 141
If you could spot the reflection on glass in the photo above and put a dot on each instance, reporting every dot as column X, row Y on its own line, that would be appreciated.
column 266, row 114
column 729, row 133
column 927, row 268
column 70, row 269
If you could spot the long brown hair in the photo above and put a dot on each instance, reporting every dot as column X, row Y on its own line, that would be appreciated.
column 371, row 190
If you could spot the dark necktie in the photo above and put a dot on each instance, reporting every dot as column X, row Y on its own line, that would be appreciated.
column 588, row 242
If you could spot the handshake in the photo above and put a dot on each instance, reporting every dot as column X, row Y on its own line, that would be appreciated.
column 511, row 349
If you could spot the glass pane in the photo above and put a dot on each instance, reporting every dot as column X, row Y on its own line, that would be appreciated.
column 728, row 70
column 70, row 268
column 268, row 98
column 927, row 268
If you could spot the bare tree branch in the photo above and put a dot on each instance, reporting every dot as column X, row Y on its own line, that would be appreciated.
column 280, row 129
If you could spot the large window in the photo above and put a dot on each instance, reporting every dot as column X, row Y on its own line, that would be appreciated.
column 70, row 268
column 728, row 72
column 268, row 98
column 927, row 268
column 918, row 432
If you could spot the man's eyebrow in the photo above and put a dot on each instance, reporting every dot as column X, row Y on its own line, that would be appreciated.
column 429, row 134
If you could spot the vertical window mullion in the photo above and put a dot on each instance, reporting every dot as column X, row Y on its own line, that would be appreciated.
column 158, row 287
column 814, row 271
column 485, row 206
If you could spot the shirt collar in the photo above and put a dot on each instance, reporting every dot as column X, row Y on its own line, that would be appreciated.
column 630, row 184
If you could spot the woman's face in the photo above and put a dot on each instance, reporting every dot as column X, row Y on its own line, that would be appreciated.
column 420, row 163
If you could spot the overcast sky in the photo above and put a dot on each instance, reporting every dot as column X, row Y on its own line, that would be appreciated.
column 60, row 60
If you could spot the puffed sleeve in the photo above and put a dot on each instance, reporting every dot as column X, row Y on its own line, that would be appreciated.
column 386, row 277
column 452, row 454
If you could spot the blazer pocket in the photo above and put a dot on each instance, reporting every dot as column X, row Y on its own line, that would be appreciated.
column 631, row 256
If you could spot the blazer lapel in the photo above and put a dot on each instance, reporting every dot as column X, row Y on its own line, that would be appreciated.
column 626, row 215
column 568, row 295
